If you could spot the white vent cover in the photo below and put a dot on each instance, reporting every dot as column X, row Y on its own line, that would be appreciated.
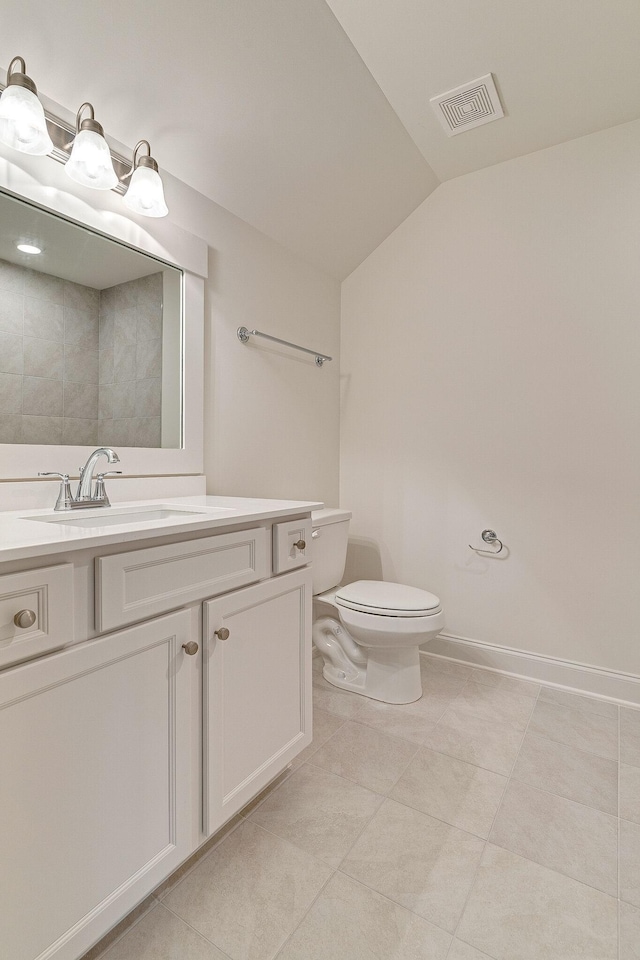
column 468, row 106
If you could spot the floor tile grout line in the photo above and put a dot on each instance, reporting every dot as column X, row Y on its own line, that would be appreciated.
column 572, row 746
column 553, row 869
column 282, row 840
column 362, row 785
column 385, row 797
column 104, row 953
column 484, row 849
column 304, row 917
column 386, row 895
column 602, row 756
column 316, row 766
column 195, row 930
column 472, row 763
column 561, row 796
column 557, row 871
column 315, row 856
column 205, row 856
column 471, row 713
column 289, row 770
column 404, row 803
column 383, row 896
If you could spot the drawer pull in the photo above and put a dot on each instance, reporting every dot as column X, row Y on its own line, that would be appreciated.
column 24, row 618
column 300, row 544
column 190, row 648
column 222, row 633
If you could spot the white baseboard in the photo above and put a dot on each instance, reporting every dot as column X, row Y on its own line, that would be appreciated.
column 576, row 677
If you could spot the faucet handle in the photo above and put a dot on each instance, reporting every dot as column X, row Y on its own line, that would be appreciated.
column 65, row 497
column 100, row 492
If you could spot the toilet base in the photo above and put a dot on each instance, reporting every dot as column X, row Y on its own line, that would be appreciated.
column 391, row 676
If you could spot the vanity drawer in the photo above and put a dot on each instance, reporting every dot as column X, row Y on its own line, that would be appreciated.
column 48, row 594
column 288, row 553
column 139, row 584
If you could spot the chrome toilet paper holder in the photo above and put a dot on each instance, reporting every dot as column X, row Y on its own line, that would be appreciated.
column 489, row 537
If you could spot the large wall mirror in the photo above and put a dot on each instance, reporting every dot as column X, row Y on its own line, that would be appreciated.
column 91, row 334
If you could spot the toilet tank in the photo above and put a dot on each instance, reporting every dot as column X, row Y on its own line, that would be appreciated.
column 330, row 537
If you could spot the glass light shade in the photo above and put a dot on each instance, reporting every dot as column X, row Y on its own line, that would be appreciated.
column 146, row 193
column 90, row 162
column 22, row 122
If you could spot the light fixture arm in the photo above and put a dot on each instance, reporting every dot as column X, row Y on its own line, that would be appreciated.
column 22, row 63
column 144, row 161
column 79, row 114
column 19, row 77
column 88, row 123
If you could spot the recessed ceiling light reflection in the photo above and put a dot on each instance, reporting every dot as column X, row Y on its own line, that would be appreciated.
column 28, row 248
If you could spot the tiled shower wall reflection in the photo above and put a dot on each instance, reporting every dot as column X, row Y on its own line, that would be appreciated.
column 63, row 344
column 130, row 363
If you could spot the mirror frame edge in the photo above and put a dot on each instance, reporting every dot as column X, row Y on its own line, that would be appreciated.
column 23, row 179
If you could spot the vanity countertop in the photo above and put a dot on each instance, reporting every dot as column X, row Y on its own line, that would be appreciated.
column 26, row 533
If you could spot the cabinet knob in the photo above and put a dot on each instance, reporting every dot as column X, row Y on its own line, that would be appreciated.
column 24, row 618
column 222, row 633
column 300, row 544
column 190, row 648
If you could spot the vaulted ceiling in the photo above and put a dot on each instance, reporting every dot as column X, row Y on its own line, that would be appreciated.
column 310, row 119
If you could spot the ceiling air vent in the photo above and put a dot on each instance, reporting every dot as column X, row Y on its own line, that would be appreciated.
column 468, row 106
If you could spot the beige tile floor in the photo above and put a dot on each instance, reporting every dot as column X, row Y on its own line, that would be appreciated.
column 491, row 820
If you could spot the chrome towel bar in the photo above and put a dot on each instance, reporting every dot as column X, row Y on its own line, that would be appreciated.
column 244, row 334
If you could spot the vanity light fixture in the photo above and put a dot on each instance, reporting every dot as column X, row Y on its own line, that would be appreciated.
column 25, row 126
column 90, row 162
column 22, row 121
column 146, row 193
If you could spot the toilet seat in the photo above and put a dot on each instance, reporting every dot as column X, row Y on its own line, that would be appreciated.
column 384, row 599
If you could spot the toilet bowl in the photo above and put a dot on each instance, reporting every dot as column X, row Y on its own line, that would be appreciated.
column 368, row 632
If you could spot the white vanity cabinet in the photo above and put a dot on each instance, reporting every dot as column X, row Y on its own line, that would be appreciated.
column 95, row 761
column 257, row 690
column 121, row 753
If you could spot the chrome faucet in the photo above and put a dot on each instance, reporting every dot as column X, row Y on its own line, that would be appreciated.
column 86, row 473
column 86, row 496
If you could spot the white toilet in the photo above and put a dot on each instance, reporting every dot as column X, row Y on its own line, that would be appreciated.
column 373, row 648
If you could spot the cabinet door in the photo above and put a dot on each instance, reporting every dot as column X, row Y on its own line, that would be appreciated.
column 257, row 695
column 94, row 785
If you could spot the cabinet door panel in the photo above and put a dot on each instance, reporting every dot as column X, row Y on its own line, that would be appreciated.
column 257, row 699
column 94, row 793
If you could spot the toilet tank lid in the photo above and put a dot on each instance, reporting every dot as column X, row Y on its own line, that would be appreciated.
column 329, row 515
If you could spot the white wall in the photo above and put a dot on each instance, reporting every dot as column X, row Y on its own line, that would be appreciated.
column 272, row 417
column 491, row 378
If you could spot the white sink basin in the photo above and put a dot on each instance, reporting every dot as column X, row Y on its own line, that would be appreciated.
column 107, row 517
